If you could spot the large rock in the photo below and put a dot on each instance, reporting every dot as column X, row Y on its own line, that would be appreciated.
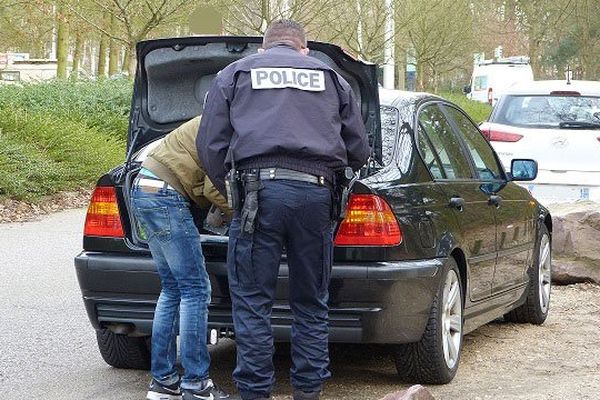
column 566, row 272
column 416, row 392
column 576, row 242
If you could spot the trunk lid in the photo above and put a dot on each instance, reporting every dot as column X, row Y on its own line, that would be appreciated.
column 560, row 150
column 173, row 76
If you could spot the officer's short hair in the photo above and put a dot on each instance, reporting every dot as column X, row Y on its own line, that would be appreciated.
column 285, row 31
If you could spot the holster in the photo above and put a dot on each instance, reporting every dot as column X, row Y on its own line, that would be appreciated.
column 344, row 180
column 233, row 190
column 251, row 184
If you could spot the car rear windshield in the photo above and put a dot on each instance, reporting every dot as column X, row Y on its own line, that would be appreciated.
column 547, row 111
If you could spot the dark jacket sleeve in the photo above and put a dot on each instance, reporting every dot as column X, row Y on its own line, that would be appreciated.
column 354, row 133
column 214, row 135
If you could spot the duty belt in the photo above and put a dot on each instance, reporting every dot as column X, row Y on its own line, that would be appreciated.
column 290, row 174
column 252, row 183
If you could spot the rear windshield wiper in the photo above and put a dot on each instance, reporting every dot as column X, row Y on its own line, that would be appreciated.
column 579, row 125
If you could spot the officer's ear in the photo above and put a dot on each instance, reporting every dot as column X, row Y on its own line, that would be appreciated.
column 261, row 50
column 305, row 51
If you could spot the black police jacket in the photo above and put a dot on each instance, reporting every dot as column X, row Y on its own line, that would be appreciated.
column 281, row 109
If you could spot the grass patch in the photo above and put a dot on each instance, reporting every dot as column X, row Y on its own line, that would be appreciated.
column 478, row 111
column 100, row 104
column 42, row 154
column 60, row 135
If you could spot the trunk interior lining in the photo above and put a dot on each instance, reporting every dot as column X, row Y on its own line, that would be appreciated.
column 178, row 79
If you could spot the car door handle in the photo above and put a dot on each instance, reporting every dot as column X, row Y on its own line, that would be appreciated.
column 457, row 202
column 495, row 200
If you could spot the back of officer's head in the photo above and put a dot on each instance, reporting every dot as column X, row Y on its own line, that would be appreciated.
column 285, row 31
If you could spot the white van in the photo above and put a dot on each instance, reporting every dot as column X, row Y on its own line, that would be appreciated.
column 492, row 78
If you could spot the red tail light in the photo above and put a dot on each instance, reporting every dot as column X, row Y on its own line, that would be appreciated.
column 490, row 96
column 103, row 218
column 369, row 222
column 499, row 136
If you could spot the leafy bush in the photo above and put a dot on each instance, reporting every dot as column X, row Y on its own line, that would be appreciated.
column 60, row 136
column 100, row 104
column 479, row 112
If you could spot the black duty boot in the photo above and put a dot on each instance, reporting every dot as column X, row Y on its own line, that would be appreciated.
column 301, row 395
column 158, row 391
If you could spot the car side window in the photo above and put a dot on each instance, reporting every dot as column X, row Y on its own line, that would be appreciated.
column 389, row 130
column 483, row 156
column 439, row 146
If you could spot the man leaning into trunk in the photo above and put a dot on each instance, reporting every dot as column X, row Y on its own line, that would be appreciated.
column 171, row 178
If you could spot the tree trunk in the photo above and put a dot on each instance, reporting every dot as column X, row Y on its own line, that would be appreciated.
column 77, row 55
column 534, row 47
column 62, row 44
column 420, row 76
column 113, row 51
column 102, row 49
column 586, row 47
column 130, row 60
column 400, row 67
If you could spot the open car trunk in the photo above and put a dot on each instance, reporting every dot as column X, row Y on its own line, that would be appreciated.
column 174, row 75
column 172, row 80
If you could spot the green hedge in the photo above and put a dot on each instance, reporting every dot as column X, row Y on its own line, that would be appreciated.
column 99, row 104
column 479, row 112
column 60, row 136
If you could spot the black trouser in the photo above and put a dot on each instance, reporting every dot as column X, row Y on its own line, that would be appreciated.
column 296, row 215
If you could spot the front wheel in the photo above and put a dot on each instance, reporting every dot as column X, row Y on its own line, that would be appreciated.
column 536, row 307
column 434, row 359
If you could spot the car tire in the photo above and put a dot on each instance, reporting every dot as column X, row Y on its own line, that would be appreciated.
column 435, row 358
column 537, row 305
column 122, row 351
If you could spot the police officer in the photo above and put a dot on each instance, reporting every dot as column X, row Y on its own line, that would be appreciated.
column 282, row 123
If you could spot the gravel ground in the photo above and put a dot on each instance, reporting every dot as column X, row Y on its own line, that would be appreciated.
column 48, row 349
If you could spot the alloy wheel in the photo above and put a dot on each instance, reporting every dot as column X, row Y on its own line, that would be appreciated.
column 545, row 273
column 452, row 319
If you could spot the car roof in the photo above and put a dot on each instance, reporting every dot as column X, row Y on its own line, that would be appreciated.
column 391, row 97
column 585, row 88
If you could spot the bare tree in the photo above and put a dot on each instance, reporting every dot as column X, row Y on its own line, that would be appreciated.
column 538, row 19
column 440, row 34
column 251, row 17
column 134, row 19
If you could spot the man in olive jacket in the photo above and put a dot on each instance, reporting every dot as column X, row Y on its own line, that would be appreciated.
column 170, row 179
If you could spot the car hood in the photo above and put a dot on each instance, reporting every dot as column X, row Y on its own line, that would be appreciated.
column 173, row 76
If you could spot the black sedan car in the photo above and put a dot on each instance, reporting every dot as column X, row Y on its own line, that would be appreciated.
column 437, row 239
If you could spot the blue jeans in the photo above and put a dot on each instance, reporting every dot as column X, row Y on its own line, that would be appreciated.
column 297, row 216
column 174, row 242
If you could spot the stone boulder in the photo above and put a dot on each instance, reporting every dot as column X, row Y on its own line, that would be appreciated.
column 576, row 242
column 416, row 392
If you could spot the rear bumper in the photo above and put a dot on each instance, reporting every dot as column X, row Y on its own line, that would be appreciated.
column 369, row 303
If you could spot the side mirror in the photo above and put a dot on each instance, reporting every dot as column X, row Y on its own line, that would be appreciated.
column 523, row 170
column 467, row 89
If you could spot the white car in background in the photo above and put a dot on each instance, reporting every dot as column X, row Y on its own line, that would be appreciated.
column 557, row 124
column 491, row 79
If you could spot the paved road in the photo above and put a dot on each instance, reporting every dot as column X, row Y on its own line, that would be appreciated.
column 48, row 349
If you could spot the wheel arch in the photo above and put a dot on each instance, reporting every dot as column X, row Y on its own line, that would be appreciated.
column 548, row 222
column 461, row 260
